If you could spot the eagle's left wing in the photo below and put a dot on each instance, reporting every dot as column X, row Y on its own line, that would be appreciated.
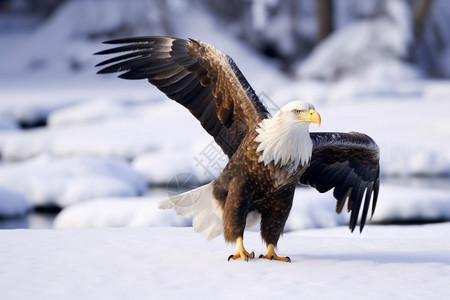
column 349, row 163
column 198, row 76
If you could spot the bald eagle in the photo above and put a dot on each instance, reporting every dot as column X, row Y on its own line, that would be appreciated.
column 268, row 156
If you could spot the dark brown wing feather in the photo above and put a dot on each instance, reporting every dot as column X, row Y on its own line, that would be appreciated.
column 196, row 75
column 349, row 163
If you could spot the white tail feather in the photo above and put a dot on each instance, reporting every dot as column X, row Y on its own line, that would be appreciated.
column 200, row 204
column 206, row 211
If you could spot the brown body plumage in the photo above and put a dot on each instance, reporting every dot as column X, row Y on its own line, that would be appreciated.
column 268, row 191
column 268, row 156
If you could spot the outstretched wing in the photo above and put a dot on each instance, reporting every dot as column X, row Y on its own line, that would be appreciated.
column 201, row 78
column 349, row 163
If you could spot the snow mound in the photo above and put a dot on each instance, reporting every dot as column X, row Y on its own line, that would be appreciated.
column 199, row 162
column 114, row 212
column 45, row 180
column 160, row 167
column 361, row 45
column 12, row 203
column 7, row 123
column 399, row 203
column 92, row 111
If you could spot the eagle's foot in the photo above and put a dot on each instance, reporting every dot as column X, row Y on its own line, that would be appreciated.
column 273, row 256
column 244, row 255
column 241, row 252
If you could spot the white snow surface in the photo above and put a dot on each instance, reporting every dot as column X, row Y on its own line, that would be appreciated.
column 395, row 262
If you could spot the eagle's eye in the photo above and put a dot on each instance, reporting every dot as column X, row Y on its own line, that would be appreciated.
column 296, row 111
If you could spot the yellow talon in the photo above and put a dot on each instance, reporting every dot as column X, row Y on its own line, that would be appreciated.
column 241, row 252
column 272, row 255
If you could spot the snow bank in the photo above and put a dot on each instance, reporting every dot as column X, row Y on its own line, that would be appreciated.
column 410, row 262
column 310, row 210
column 122, row 137
column 49, row 181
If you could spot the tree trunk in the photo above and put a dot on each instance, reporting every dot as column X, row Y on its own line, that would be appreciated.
column 324, row 10
column 420, row 13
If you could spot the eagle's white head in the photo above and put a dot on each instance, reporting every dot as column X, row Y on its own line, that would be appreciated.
column 284, row 138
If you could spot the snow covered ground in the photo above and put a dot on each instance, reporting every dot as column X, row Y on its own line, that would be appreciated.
column 386, row 262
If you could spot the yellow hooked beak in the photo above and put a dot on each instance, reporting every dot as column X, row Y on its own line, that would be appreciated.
column 311, row 116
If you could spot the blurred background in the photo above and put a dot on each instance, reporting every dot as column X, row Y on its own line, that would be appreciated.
column 82, row 150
